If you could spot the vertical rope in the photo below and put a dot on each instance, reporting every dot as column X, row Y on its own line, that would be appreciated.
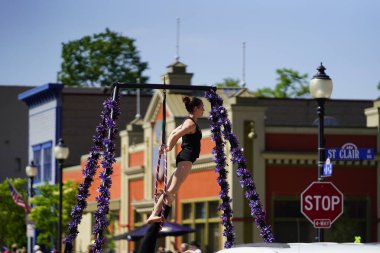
column 163, row 140
column 164, row 206
column 165, row 157
column 164, row 118
column 157, row 178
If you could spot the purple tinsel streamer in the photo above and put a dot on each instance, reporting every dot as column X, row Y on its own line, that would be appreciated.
column 219, row 117
column 109, row 115
column 220, row 160
column 103, row 200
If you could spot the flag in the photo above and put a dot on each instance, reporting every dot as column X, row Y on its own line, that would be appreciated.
column 17, row 198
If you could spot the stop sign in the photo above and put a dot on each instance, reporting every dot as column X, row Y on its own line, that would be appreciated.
column 322, row 204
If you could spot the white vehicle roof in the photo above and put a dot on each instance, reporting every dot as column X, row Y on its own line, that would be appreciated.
column 320, row 247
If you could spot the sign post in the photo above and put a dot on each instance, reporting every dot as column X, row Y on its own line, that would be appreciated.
column 322, row 204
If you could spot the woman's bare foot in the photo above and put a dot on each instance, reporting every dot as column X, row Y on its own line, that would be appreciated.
column 168, row 198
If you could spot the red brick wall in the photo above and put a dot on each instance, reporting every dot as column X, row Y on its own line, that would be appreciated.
column 199, row 184
column 136, row 159
column 76, row 176
column 309, row 142
column 207, row 145
column 136, row 193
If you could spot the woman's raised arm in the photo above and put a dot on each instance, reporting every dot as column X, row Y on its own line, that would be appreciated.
column 188, row 127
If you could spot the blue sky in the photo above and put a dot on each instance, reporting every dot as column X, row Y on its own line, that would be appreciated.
column 296, row 34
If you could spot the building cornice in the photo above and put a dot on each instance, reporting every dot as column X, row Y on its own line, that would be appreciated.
column 328, row 130
column 134, row 172
column 72, row 168
column 309, row 158
column 136, row 148
column 41, row 94
column 114, row 205
column 143, row 206
column 204, row 162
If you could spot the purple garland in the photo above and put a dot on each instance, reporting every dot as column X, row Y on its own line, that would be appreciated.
column 109, row 116
column 246, row 181
column 220, row 160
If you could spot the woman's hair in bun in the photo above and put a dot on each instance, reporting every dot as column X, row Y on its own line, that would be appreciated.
column 190, row 103
column 186, row 100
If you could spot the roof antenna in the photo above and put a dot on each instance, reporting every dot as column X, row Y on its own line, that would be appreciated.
column 177, row 44
column 243, row 68
column 138, row 115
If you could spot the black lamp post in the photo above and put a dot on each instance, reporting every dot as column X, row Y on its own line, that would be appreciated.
column 61, row 152
column 320, row 89
column 31, row 172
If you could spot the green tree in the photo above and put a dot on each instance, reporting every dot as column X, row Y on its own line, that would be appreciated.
column 100, row 60
column 12, row 217
column 45, row 210
column 378, row 86
column 229, row 83
column 344, row 230
column 290, row 85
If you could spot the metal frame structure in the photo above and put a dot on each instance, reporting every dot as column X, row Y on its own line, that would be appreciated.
column 117, row 86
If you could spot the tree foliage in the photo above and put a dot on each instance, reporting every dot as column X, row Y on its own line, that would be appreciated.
column 229, row 83
column 290, row 85
column 12, row 217
column 45, row 210
column 100, row 60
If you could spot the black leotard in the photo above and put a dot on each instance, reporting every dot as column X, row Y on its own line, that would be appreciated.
column 191, row 146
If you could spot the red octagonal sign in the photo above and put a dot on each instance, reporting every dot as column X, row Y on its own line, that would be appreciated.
column 322, row 204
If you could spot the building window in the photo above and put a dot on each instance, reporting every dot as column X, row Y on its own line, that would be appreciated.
column 138, row 221
column 289, row 224
column 42, row 156
column 204, row 217
column 138, row 218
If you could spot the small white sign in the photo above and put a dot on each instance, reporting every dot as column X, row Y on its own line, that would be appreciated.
column 327, row 168
column 30, row 230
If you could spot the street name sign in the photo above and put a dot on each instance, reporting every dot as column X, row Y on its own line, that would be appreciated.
column 349, row 152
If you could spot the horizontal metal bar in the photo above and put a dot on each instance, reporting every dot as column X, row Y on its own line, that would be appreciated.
column 163, row 86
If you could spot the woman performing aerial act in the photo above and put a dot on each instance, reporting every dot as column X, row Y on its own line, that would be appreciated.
column 191, row 144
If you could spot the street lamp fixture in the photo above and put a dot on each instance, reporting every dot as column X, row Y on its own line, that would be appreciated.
column 31, row 171
column 321, row 88
column 61, row 152
column 252, row 133
column 321, row 85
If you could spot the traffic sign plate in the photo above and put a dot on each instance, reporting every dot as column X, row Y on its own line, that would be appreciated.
column 327, row 168
column 322, row 204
